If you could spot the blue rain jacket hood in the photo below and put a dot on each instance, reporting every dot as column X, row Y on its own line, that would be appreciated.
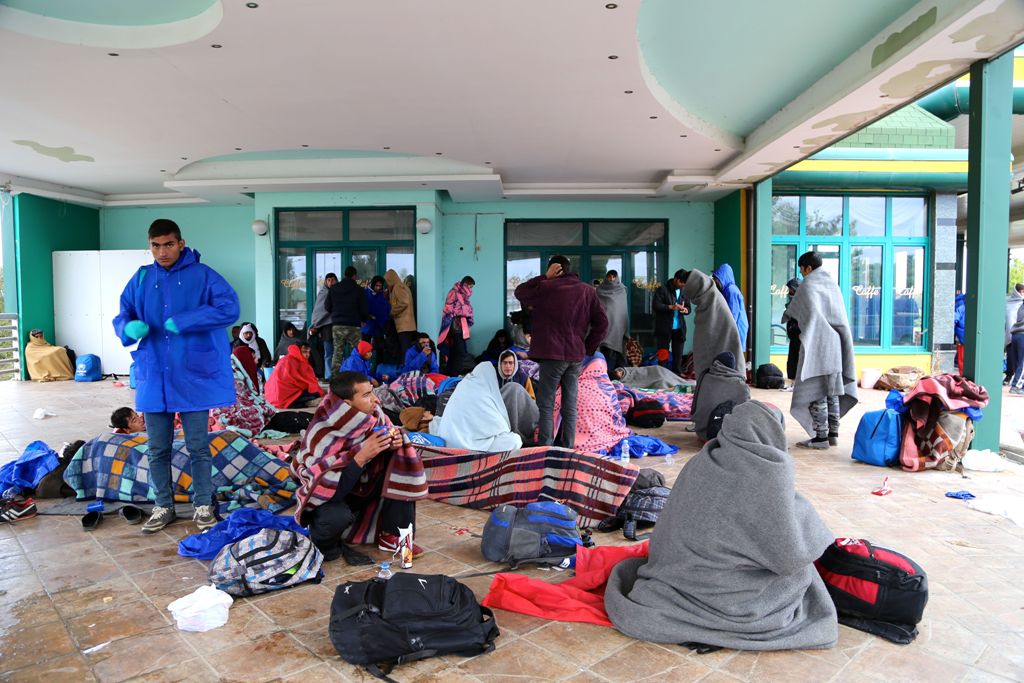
column 191, row 370
column 733, row 297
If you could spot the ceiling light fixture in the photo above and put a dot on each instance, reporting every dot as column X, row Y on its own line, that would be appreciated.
column 238, row 149
column 387, row 148
column 163, row 170
column 251, row 5
column 113, row 54
column 216, row 46
column 438, row 153
column 628, row 92
column 305, row 145
column 611, row 5
column 717, row 150
column 682, row 135
column 613, row 56
column 652, row 117
column 488, row 163
column 184, row 158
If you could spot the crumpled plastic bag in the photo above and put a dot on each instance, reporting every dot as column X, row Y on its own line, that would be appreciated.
column 41, row 413
column 203, row 609
column 984, row 461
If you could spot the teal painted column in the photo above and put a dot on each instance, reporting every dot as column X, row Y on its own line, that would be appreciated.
column 762, row 285
column 988, row 211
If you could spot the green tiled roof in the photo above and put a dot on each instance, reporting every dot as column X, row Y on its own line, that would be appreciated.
column 910, row 127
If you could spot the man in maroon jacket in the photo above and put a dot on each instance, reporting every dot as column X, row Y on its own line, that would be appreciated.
column 568, row 324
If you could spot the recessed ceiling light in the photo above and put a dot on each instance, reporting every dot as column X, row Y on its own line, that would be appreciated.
column 305, row 145
column 184, row 158
column 113, row 54
column 238, row 149
column 487, row 162
column 438, row 153
column 163, row 170
column 245, row 187
column 610, row 5
column 717, row 150
column 628, row 92
column 216, row 46
column 423, row 184
column 613, row 56
column 387, row 148
column 652, row 117
column 251, row 5
column 683, row 135
column 796, row 146
column 883, row 96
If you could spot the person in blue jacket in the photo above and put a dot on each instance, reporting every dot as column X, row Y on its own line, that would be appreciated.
column 359, row 361
column 421, row 356
column 178, row 309
column 726, row 281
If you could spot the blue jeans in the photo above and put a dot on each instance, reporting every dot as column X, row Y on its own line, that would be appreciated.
column 160, row 428
column 328, row 355
column 555, row 373
column 1017, row 349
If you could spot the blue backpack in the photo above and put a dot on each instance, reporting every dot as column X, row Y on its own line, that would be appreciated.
column 88, row 369
column 878, row 438
column 544, row 532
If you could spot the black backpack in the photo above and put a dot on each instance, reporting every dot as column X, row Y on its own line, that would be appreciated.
column 716, row 417
column 875, row 589
column 379, row 624
column 768, row 376
column 646, row 413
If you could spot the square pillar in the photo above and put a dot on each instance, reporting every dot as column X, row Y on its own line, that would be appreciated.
column 988, row 234
column 761, row 292
column 944, row 284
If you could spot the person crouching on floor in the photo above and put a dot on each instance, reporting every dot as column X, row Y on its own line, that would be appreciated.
column 359, row 476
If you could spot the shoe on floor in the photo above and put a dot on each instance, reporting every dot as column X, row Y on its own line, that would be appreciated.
column 833, row 439
column 389, row 544
column 158, row 519
column 17, row 510
column 1016, row 392
column 355, row 558
column 814, row 444
column 204, row 517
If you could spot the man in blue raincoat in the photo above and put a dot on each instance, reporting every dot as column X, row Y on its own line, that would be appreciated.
column 726, row 281
column 177, row 309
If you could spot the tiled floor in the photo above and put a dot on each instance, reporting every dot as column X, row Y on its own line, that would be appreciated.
column 64, row 592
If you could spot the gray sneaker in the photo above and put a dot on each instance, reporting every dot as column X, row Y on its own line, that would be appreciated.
column 833, row 439
column 1017, row 392
column 204, row 517
column 814, row 444
column 158, row 519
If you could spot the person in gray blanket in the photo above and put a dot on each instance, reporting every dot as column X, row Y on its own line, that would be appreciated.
column 825, row 387
column 731, row 558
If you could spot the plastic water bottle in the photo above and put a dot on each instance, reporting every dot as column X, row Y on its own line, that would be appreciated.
column 669, row 460
column 624, row 451
column 385, row 572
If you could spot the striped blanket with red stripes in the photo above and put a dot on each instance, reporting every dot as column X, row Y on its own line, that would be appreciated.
column 591, row 485
column 330, row 443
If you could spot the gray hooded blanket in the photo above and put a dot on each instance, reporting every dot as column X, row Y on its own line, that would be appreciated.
column 650, row 377
column 714, row 327
column 612, row 296
column 522, row 411
column 826, row 366
column 722, row 382
column 731, row 556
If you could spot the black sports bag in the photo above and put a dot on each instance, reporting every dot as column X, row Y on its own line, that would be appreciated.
column 768, row 376
column 409, row 617
column 875, row 589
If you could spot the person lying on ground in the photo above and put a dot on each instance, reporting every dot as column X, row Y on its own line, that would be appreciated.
column 359, row 476
column 126, row 421
column 293, row 383
column 731, row 558
column 46, row 362
column 648, row 377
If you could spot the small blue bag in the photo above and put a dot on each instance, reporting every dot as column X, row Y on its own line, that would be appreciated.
column 88, row 368
column 878, row 439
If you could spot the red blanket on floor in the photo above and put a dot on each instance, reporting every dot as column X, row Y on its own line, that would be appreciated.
column 579, row 599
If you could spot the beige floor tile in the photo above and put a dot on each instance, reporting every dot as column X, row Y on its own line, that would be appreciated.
column 71, row 668
column 185, row 576
column 649, row 662
column 584, row 644
column 95, row 628
column 245, row 624
column 520, row 660
column 296, row 605
column 34, row 644
column 267, row 658
column 108, row 595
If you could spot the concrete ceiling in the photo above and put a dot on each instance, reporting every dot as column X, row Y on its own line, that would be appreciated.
column 117, row 102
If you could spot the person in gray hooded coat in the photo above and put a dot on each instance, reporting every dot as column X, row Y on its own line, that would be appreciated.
column 731, row 558
column 825, row 387
column 714, row 326
column 720, row 383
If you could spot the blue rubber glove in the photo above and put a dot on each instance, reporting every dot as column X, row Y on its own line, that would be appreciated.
column 136, row 329
column 171, row 327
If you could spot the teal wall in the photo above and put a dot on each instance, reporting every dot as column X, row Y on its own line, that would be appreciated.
column 7, row 247
column 221, row 234
column 728, row 238
column 41, row 227
column 690, row 244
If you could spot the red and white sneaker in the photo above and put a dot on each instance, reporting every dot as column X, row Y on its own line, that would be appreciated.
column 17, row 510
column 389, row 544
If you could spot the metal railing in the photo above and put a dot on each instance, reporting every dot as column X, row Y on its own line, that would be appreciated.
column 10, row 347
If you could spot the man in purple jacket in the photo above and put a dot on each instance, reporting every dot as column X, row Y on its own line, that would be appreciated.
column 568, row 324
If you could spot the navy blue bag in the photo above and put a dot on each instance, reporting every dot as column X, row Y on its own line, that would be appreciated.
column 878, row 438
column 88, row 368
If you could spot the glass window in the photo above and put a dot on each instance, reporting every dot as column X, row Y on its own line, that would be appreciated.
column 381, row 225
column 829, row 258
column 908, row 296
column 327, row 262
column 365, row 261
column 783, row 270
column 402, row 260
column 543, row 234
column 824, row 216
column 291, row 285
column 866, row 294
column 786, row 215
column 602, row 263
column 520, row 267
column 909, row 217
column 867, row 216
column 647, row 277
column 626, row 234
column 294, row 226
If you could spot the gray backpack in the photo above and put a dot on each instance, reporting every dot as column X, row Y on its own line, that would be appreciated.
column 268, row 560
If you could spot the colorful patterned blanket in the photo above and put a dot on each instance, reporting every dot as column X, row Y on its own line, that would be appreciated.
column 411, row 387
column 593, row 486
column 116, row 467
column 677, row 406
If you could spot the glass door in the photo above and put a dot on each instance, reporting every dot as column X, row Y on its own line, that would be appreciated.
column 365, row 261
column 292, row 285
column 602, row 263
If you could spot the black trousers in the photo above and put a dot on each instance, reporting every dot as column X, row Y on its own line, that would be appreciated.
column 614, row 358
column 406, row 340
column 674, row 342
column 456, row 351
column 328, row 522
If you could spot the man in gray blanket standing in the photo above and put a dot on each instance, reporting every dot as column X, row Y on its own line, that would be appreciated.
column 825, row 387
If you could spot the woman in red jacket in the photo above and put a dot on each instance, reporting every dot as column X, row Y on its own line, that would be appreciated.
column 293, row 383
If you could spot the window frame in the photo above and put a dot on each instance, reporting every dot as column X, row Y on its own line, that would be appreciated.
column 889, row 243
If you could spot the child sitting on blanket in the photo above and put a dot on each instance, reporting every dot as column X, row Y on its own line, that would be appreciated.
column 359, row 475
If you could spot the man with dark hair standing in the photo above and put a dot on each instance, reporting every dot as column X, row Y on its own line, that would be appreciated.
column 670, row 306
column 320, row 324
column 825, row 387
column 177, row 310
column 346, row 302
column 568, row 324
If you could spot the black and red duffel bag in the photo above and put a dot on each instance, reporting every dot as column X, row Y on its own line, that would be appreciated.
column 876, row 590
